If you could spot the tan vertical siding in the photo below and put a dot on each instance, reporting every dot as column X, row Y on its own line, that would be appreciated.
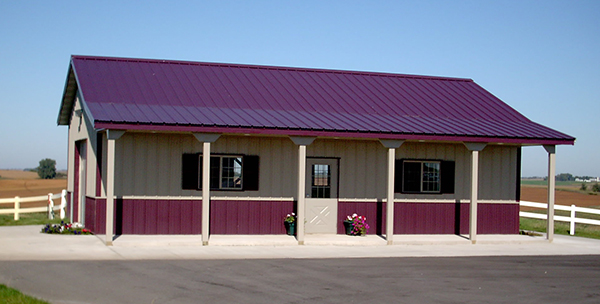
column 82, row 131
column 362, row 165
column 497, row 169
column 498, row 172
column 150, row 164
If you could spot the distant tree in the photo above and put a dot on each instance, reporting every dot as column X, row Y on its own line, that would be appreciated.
column 47, row 168
column 596, row 187
column 565, row 177
column 583, row 187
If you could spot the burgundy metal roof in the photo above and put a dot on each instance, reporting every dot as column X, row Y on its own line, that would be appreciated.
column 194, row 96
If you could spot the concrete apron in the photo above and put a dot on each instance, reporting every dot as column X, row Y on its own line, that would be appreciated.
column 316, row 240
column 27, row 243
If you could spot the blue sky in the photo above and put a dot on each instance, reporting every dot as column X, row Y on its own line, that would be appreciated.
column 540, row 57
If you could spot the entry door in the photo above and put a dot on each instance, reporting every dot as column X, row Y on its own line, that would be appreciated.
column 321, row 195
column 82, row 180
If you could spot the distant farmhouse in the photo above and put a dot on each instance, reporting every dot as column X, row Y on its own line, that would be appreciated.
column 590, row 180
column 175, row 147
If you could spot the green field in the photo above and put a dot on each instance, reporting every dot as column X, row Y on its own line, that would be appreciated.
column 537, row 182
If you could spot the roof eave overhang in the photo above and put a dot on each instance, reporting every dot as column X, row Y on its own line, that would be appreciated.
column 68, row 98
column 335, row 134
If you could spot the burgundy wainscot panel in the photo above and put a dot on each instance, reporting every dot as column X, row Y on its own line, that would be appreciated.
column 430, row 218
column 498, row 218
column 141, row 216
column 248, row 217
column 95, row 215
column 374, row 211
column 448, row 218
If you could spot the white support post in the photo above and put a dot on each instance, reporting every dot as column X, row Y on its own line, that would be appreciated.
column 17, row 207
column 389, row 218
column 301, row 188
column 551, row 149
column 572, row 226
column 475, row 148
column 206, row 139
column 392, row 145
column 110, row 191
column 474, row 194
column 205, row 192
column 112, row 136
column 302, row 142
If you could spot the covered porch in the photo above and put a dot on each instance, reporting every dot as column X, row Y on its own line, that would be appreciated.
column 241, row 215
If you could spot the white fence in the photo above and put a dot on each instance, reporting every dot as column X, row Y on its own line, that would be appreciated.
column 569, row 219
column 50, row 208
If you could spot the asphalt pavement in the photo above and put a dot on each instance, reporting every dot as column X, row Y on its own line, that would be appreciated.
column 67, row 269
column 514, row 279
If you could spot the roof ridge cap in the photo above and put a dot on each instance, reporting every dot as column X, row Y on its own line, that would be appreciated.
column 271, row 67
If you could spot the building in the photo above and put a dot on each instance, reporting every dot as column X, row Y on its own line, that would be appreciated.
column 172, row 147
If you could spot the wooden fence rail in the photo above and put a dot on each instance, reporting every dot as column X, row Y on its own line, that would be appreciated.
column 50, row 208
column 572, row 219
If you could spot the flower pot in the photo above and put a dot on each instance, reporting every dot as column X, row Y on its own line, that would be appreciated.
column 290, row 228
column 349, row 227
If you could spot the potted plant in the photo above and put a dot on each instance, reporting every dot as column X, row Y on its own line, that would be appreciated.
column 290, row 224
column 348, row 225
column 356, row 225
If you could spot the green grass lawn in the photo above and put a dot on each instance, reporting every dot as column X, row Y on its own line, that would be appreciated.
column 28, row 219
column 582, row 230
column 10, row 295
column 537, row 182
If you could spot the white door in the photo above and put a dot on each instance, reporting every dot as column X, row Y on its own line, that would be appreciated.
column 321, row 195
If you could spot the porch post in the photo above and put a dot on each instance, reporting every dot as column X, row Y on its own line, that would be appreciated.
column 474, row 148
column 392, row 145
column 205, row 192
column 112, row 136
column 302, row 142
column 551, row 149
column 206, row 139
column 301, row 188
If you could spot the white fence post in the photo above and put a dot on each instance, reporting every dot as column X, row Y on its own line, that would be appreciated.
column 572, row 227
column 50, row 207
column 63, row 204
column 572, row 219
column 17, row 207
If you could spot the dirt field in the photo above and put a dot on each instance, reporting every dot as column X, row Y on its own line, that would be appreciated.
column 563, row 197
column 24, row 184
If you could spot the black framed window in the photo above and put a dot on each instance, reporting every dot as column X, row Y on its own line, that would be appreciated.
column 321, row 181
column 424, row 176
column 231, row 172
column 227, row 172
column 421, row 176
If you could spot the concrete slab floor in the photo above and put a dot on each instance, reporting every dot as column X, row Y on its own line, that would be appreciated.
column 27, row 243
